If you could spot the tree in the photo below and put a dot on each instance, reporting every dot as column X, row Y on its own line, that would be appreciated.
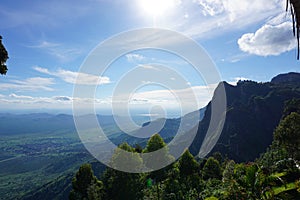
column 212, row 169
column 154, row 143
column 218, row 156
column 228, row 173
column 291, row 106
column 287, row 134
column 187, row 164
column 173, row 189
column 189, row 176
column 3, row 58
column 154, row 161
column 233, row 190
column 123, row 185
column 85, row 185
column 126, row 159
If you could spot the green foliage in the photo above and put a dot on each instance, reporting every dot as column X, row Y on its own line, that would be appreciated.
column 122, row 185
column 155, row 142
column 212, row 169
column 291, row 106
column 287, row 135
column 138, row 148
column 218, row 156
column 187, row 164
column 156, row 159
column 3, row 58
column 85, row 185
column 228, row 173
column 188, row 179
column 211, row 198
column 126, row 158
column 172, row 183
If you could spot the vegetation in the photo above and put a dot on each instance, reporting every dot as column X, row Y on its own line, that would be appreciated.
column 3, row 58
column 210, row 179
column 274, row 175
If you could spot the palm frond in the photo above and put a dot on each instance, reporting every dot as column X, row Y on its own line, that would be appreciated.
column 295, row 12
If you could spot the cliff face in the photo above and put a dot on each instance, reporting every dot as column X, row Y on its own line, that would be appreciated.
column 253, row 112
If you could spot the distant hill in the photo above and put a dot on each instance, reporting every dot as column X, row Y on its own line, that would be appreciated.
column 11, row 124
column 253, row 112
column 15, row 124
column 167, row 132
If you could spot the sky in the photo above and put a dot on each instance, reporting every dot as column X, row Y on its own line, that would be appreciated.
column 48, row 42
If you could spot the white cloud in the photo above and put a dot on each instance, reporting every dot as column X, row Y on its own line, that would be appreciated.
column 140, row 100
column 20, row 96
column 166, row 98
column 269, row 40
column 214, row 17
column 75, row 77
column 62, row 98
column 29, row 84
column 132, row 57
column 59, row 51
column 235, row 80
column 15, row 101
column 212, row 7
column 149, row 66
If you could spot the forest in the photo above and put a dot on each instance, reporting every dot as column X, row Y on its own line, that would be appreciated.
column 274, row 175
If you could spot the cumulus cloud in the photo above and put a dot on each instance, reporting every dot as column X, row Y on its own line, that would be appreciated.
column 75, row 77
column 269, row 40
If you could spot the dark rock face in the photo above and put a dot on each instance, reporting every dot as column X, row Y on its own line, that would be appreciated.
column 253, row 112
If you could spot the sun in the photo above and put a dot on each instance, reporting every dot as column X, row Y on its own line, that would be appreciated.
column 156, row 7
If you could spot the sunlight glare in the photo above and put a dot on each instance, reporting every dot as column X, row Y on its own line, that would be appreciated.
column 156, row 7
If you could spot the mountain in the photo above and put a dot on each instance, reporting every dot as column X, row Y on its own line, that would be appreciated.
column 253, row 112
column 40, row 152
column 169, row 128
column 291, row 77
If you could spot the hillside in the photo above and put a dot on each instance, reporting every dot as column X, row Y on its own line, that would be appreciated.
column 253, row 112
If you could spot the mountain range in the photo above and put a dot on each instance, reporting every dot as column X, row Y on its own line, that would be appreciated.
column 253, row 110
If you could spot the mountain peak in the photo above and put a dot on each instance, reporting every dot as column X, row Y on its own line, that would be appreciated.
column 292, row 77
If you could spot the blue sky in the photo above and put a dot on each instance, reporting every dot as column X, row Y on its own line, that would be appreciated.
column 48, row 41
